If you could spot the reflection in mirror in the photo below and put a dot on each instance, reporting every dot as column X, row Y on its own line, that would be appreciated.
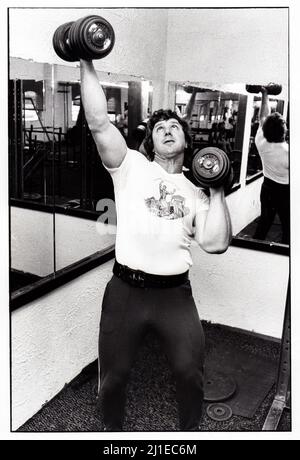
column 81, row 179
column 30, row 141
column 83, row 192
column 216, row 118
column 273, row 222
column 30, row 171
column 254, row 165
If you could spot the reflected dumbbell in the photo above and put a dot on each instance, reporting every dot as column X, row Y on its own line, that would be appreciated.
column 190, row 89
column 91, row 37
column 273, row 89
column 211, row 168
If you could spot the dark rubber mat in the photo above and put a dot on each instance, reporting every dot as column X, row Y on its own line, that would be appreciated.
column 253, row 375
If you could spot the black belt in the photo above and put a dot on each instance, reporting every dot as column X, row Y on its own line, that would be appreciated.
column 141, row 279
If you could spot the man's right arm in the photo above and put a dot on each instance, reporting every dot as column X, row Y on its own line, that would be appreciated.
column 110, row 143
column 265, row 106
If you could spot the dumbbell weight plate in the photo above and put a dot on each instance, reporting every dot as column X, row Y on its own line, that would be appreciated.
column 230, row 179
column 274, row 89
column 255, row 89
column 219, row 412
column 92, row 37
column 190, row 89
column 211, row 167
column 61, row 42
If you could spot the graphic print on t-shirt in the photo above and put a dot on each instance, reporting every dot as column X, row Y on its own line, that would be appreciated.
column 168, row 204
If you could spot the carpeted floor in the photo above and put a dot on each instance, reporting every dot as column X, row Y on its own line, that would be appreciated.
column 151, row 403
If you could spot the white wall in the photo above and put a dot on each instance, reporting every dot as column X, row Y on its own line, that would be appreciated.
column 241, row 288
column 228, row 45
column 46, row 357
column 138, row 50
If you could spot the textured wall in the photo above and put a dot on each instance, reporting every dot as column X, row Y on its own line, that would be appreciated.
column 46, row 357
column 140, row 34
column 228, row 45
column 241, row 288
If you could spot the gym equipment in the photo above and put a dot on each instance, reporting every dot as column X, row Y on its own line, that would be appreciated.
column 61, row 43
column 282, row 398
column 219, row 412
column 218, row 386
column 272, row 89
column 90, row 37
column 211, row 168
column 189, row 89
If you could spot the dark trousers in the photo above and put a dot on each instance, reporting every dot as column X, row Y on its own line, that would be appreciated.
column 275, row 199
column 127, row 313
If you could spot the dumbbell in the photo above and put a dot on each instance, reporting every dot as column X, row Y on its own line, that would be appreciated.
column 272, row 88
column 91, row 37
column 211, row 168
column 190, row 89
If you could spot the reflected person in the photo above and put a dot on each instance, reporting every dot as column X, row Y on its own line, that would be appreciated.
column 150, row 286
column 273, row 149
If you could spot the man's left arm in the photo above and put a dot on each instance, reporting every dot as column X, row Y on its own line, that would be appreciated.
column 213, row 227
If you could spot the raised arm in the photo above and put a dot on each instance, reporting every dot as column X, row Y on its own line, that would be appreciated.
column 265, row 106
column 213, row 227
column 110, row 143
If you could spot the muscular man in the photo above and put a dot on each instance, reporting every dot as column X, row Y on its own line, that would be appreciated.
column 274, row 152
column 150, row 287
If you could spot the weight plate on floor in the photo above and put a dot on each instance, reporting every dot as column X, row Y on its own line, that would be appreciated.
column 218, row 386
column 219, row 412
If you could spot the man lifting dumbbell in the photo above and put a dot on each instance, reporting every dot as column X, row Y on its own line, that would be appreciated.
column 159, row 211
column 274, row 153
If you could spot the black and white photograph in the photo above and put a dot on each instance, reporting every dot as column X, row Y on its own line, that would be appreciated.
column 149, row 228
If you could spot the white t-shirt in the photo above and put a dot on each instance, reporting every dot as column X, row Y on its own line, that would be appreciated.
column 155, row 216
column 274, row 157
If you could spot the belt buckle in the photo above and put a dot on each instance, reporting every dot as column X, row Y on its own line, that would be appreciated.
column 138, row 278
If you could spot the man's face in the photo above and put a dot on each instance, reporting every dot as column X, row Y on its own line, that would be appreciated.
column 168, row 138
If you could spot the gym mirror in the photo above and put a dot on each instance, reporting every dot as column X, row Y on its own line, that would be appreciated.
column 254, row 172
column 216, row 118
column 31, row 179
column 83, row 188
column 254, row 165
column 56, row 177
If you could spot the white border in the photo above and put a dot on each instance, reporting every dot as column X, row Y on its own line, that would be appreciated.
column 295, row 149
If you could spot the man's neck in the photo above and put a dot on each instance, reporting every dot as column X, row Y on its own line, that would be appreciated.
column 171, row 165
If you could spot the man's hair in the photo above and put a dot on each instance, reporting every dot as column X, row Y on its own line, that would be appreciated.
column 274, row 128
column 159, row 115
